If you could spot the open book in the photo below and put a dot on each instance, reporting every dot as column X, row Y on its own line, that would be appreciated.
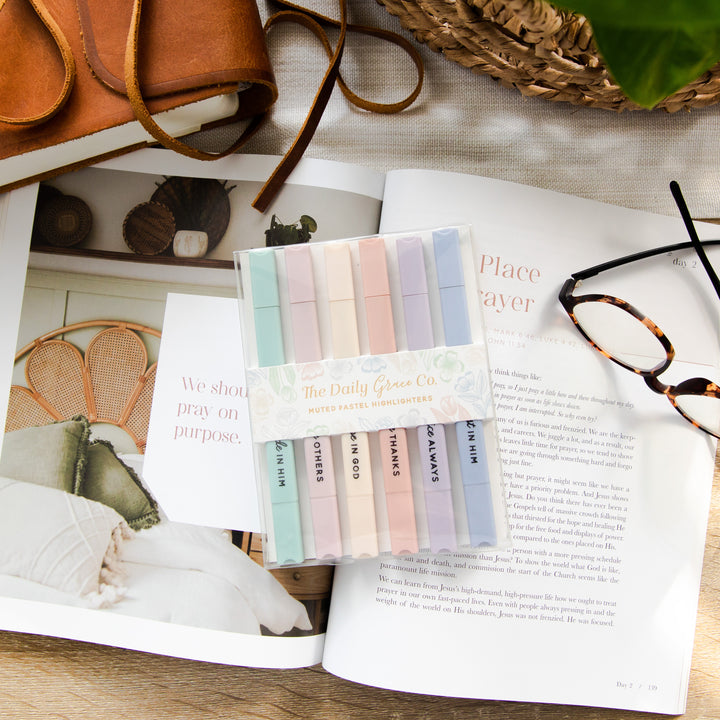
column 608, row 488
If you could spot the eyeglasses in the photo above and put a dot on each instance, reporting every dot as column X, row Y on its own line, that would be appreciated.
column 631, row 339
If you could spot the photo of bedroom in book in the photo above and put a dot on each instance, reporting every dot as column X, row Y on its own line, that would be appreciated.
column 78, row 526
column 79, row 523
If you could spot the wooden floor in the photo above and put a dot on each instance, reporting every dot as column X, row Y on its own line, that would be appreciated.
column 51, row 679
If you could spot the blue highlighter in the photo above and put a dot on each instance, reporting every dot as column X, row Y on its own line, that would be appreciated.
column 279, row 454
column 470, row 437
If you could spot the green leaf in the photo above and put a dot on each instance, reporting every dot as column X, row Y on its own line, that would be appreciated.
column 311, row 224
column 666, row 14
column 649, row 65
column 651, row 48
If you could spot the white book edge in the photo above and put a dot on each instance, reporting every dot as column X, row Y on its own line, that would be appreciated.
column 176, row 122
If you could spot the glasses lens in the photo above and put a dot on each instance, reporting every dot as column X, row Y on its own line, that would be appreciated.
column 621, row 335
column 703, row 409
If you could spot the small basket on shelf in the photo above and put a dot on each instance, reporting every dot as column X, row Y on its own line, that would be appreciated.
column 148, row 229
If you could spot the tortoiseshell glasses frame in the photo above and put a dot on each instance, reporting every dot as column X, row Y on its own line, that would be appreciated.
column 677, row 394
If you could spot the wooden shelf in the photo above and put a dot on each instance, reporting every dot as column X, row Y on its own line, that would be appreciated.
column 134, row 257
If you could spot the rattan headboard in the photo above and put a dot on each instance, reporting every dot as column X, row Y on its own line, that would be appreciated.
column 110, row 382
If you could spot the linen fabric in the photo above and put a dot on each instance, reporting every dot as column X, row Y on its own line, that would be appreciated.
column 52, row 455
column 110, row 481
column 58, row 539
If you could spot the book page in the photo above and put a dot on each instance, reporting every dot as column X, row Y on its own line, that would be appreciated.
column 607, row 485
column 16, row 213
column 175, row 565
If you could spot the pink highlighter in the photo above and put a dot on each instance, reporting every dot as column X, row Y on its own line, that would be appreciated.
column 317, row 450
column 393, row 441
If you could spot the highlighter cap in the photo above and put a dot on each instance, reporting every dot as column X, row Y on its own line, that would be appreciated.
column 413, row 285
column 266, row 308
column 451, row 283
column 448, row 261
column 374, row 267
column 338, row 268
column 264, row 279
column 299, row 268
column 411, row 264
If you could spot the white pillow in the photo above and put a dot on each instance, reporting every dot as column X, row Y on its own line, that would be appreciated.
column 193, row 547
column 60, row 540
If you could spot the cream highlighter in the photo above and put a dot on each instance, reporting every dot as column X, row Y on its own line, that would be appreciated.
column 360, row 499
column 393, row 441
column 318, row 450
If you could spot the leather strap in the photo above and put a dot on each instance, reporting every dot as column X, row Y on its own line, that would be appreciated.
column 296, row 14
column 387, row 35
column 137, row 102
column 132, row 83
column 68, row 63
column 313, row 21
column 293, row 155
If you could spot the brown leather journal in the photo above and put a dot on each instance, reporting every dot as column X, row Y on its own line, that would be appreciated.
column 85, row 80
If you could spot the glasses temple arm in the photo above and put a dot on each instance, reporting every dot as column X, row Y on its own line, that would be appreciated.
column 695, row 243
column 685, row 214
column 596, row 269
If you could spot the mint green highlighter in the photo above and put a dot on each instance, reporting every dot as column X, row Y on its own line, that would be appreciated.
column 279, row 454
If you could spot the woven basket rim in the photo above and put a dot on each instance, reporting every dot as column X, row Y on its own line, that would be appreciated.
column 534, row 47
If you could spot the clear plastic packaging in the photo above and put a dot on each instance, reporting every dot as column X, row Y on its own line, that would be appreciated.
column 370, row 397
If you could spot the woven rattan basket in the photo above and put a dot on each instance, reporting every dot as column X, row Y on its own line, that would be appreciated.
column 148, row 228
column 529, row 45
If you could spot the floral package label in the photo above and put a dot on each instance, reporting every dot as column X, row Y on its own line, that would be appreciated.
column 370, row 392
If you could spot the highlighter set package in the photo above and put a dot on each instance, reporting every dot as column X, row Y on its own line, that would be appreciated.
column 370, row 398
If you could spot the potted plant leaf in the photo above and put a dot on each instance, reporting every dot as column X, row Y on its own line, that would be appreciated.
column 280, row 234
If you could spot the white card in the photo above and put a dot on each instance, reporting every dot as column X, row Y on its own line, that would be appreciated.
column 199, row 454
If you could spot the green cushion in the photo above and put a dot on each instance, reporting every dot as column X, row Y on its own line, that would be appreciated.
column 110, row 481
column 52, row 455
